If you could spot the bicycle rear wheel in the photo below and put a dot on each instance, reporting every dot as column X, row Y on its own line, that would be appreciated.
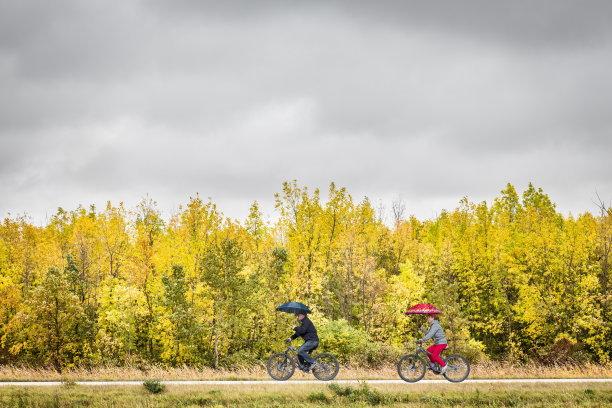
column 281, row 366
column 411, row 368
column 326, row 367
column 458, row 368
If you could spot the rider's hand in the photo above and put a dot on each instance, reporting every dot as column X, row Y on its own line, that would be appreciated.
column 293, row 327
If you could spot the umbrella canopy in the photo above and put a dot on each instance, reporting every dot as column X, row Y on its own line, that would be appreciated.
column 294, row 307
column 423, row 308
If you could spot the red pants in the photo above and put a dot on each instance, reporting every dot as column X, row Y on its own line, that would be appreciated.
column 435, row 351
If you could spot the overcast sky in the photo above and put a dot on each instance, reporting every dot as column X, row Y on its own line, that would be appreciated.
column 424, row 101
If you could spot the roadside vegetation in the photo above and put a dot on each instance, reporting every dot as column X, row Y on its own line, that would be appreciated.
column 331, row 395
column 518, row 284
column 478, row 371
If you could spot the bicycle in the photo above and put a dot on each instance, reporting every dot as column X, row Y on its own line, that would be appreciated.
column 281, row 366
column 411, row 368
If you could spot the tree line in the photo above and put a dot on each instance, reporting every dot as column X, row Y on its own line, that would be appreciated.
column 516, row 280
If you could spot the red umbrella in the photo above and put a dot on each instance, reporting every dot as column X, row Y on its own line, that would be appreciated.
column 423, row 308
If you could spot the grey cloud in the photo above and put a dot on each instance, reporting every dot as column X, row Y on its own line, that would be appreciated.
column 369, row 78
column 544, row 23
column 432, row 99
column 538, row 24
column 72, row 40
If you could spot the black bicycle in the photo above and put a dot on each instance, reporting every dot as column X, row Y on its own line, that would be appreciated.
column 411, row 368
column 281, row 366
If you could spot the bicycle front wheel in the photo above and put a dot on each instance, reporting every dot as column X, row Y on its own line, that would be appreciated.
column 281, row 366
column 458, row 368
column 411, row 368
column 326, row 367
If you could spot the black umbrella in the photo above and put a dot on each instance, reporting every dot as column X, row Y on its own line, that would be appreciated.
column 294, row 307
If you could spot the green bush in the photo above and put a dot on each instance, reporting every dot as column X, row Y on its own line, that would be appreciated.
column 472, row 349
column 154, row 386
column 361, row 394
column 354, row 346
column 348, row 344
column 341, row 391
column 318, row 397
column 365, row 393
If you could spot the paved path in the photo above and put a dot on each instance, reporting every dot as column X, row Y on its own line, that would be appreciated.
column 254, row 382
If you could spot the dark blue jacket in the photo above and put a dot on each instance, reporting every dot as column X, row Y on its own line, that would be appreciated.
column 306, row 331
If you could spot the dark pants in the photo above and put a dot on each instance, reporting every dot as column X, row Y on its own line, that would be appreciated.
column 305, row 349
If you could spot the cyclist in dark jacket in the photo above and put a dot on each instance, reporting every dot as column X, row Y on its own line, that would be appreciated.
column 307, row 332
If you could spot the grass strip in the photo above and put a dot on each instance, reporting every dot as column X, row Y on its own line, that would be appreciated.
column 314, row 395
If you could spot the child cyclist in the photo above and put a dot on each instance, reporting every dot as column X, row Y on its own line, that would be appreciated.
column 437, row 334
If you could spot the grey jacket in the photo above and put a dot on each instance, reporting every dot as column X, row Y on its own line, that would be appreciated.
column 435, row 332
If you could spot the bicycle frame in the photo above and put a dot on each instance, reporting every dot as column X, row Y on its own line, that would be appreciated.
column 293, row 351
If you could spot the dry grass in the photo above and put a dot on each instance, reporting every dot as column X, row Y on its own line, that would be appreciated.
column 108, row 373
column 488, row 370
column 505, row 370
column 494, row 370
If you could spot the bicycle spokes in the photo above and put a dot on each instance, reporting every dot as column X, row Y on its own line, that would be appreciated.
column 280, row 366
column 326, row 367
column 411, row 368
column 458, row 368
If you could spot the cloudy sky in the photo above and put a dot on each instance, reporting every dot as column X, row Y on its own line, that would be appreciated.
column 424, row 101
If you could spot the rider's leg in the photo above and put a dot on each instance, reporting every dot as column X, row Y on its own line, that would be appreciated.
column 435, row 351
column 430, row 355
column 305, row 348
